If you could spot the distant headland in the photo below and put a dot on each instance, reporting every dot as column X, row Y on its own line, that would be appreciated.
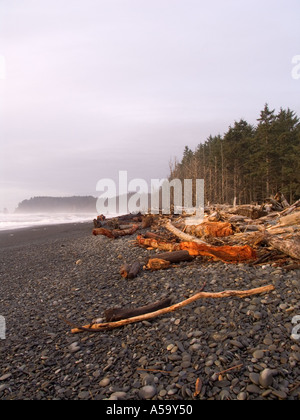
column 76, row 204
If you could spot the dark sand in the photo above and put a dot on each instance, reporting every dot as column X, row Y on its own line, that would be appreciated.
column 42, row 234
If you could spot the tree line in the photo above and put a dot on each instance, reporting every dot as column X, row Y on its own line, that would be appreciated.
column 248, row 163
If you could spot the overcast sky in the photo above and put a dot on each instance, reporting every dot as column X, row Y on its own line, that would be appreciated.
column 92, row 87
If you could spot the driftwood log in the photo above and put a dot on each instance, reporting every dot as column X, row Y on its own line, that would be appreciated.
column 115, row 233
column 201, row 295
column 116, row 314
column 225, row 253
column 174, row 257
column 155, row 264
column 130, row 271
column 289, row 247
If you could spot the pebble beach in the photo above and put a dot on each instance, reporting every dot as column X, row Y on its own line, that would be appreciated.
column 234, row 349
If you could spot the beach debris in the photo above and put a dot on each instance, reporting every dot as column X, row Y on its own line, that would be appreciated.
column 225, row 253
column 117, row 314
column 93, row 327
column 130, row 271
column 155, row 264
column 115, row 233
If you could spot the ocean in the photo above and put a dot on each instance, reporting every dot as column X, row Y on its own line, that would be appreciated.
column 20, row 221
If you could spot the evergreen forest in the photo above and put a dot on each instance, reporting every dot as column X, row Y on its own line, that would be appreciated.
column 248, row 163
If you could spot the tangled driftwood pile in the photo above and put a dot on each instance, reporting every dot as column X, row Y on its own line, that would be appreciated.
column 243, row 234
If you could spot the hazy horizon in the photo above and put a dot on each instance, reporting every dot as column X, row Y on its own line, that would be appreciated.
column 88, row 89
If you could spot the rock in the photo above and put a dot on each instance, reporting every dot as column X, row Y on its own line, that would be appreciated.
column 266, row 378
column 253, row 389
column 147, row 392
column 242, row 396
column 254, row 378
column 5, row 377
column 105, row 382
column 279, row 394
column 74, row 347
column 118, row 396
column 258, row 354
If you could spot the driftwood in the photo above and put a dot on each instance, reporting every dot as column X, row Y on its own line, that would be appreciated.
column 117, row 314
column 181, row 235
column 201, row 295
column 115, row 233
column 289, row 247
column 215, row 229
column 155, row 264
column 174, row 257
column 130, row 271
column 225, row 253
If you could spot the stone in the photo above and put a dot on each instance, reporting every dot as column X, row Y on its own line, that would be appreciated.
column 105, row 382
column 266, row 378
column 147, row 392
column 118, row 395
column 258, row 354
column 74, row 347
column 254, row 378
column 242, row 396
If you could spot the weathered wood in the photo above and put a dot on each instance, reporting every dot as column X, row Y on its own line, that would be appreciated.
column 105, row 232
column 124, row 270
column 115, row 233
column 181, row 235
column 202, row 295
column 155, row 264
column 130, row 271
column 135, row 268
column 215, row 229
column 289, row 247
column 116, row 314
column 174, row 257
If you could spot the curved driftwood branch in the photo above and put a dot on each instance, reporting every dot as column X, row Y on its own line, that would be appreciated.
column 183, row 236
column 200, row 295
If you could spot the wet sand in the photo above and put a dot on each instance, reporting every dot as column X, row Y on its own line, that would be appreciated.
column 42, row 234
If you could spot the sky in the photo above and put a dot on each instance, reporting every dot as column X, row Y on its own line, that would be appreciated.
column 89, row 88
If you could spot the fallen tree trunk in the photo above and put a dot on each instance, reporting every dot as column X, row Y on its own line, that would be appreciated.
column 202, row 295
column 215, row 229
column 289, row 247
column 117, row 314
column 181, row 235
column 224, row 253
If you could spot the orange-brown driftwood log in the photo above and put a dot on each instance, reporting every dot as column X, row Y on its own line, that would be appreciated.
column 225, row 253
column 202, row 295
column 215, row 229
column 155, row 264
column 115, row 233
